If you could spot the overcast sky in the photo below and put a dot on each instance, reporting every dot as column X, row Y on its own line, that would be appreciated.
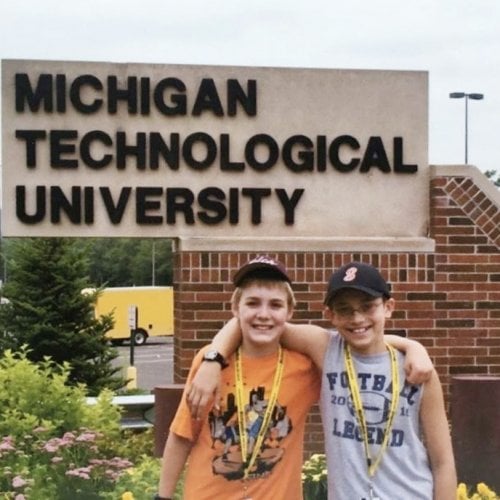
column 456, row 41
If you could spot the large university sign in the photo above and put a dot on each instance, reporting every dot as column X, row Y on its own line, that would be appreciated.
column 101, row 149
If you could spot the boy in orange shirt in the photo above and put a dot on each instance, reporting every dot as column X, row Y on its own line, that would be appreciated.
column 255, row 435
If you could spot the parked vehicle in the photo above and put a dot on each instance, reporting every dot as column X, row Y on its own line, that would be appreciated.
column 154, row 306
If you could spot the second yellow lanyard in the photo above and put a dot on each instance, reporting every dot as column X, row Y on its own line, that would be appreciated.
column 358, row 406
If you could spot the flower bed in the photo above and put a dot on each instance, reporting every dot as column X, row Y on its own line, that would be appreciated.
column 314, row 480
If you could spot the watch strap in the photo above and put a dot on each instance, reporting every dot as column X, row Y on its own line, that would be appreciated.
column 214, row 356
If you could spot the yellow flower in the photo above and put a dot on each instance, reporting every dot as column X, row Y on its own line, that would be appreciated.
column 127, row 496
column 485, row 491
column 462, row 492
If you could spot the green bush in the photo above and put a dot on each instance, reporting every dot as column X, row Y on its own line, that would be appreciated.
column 52, row 444
column 314, row 478
column 33, row 395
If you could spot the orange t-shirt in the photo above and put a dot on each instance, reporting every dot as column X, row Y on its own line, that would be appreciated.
column 215, row 467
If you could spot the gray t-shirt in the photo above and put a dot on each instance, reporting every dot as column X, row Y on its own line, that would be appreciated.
column 404, row 472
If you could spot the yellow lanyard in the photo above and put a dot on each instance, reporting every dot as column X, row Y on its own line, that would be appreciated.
column 278, row 375
column 358, row 405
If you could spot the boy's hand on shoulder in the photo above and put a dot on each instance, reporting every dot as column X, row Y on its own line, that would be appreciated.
column 418, row 364
column 204, row 392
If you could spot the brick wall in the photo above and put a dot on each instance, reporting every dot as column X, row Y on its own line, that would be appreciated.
column 448, row 299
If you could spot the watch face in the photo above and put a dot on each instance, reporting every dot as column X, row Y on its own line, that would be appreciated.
column 213, row 355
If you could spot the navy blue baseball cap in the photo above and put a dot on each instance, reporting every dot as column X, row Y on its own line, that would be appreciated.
column 359, row 276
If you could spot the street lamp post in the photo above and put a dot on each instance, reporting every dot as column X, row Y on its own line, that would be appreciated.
column 475, row 97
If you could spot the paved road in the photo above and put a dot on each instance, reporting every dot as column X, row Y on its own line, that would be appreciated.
column 153, row 361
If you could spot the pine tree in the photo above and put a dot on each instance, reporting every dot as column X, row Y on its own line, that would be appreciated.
column 48, row 312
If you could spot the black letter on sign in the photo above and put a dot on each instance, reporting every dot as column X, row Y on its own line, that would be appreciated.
column 123, row 150
column 234, row 206
column 236, row 94
column 334, row 153
column 375, row 156
column 58, row 148
column 158, row 147
column 210, row 198
column 187, row 150
column 128, row 94
column 21, row 214
column 304, row 154
column 178, row 99
column 143, row 205
column 75, row 94
column 207, row 99
column 30, row 136
column 85, row 145
column 115, row 212
column 225, row 151
column 256, row 195
column 88, row 204
column 399, row 166
column 59, row 203
column 252, row 145
column 289, row 204
column 25, row 94
column 180, row 200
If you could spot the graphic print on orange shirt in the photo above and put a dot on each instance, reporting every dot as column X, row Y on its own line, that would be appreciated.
column 226, row 441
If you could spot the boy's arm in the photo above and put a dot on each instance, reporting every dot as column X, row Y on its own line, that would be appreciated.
column 204, row 387
column 438, row 440
column 313, row 341
column 175, row 455
column 307, row 339
column 418, row 364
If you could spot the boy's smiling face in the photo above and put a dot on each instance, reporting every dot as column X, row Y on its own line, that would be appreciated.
column 360, row 319
column 262, row 311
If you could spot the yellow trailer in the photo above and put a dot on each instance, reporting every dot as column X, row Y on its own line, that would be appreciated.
column 154, row 306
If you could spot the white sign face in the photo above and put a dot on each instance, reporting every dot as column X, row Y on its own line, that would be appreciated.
column 102, row 149
column 132, row 317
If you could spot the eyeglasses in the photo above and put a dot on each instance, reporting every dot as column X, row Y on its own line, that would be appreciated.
column 365, row 308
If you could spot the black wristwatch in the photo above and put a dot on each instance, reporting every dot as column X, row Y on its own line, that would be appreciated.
column 158, row 497
column 213, row 355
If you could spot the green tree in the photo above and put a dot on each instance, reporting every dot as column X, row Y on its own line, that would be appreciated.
column 491, row 174
column 48, row 313
column 130, row 261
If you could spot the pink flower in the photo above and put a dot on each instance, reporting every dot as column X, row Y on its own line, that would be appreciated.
column 86, row 436
column 81, row 472
column 18, row 482
column 7, row 444
column 51, row 446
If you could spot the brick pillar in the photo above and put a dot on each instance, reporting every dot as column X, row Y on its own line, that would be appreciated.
column 475, row 422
